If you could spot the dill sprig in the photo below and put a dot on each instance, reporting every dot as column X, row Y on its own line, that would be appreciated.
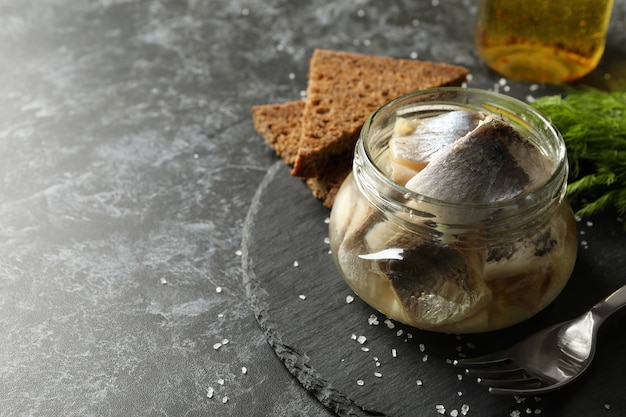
column 593, row 125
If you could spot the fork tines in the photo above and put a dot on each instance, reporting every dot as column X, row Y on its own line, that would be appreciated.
column 501, row 375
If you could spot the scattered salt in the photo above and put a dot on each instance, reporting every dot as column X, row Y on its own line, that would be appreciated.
column 292, row 76
column 220, row 381
column 217, row 345
column 365, row 349
column 349, row 299
column 454, row 413
column 238, row 252
column 327, row 220
column 353, row 337
column 389, row 323
column 440, row 408
column 394, row 353
column 419, row 382
column 327, row 240
column 225, row 399
column 360, row 382
column 399, row 333
column 302, row 297
column 607, row 406
column 244, row 370
column 373, row 320
column 515, row 413
column 225, row 341
column 163, row 281
column 465, row 409
column 209, row 392
column 361, row 339
column 413, row 55
column 378, row 375
column 296, row 264
column 422, row 347
column 460, row 377
column 218, row 289
column 425, row 358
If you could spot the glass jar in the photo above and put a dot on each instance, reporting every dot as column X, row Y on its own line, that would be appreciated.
column 453, row 267
column 542, row 41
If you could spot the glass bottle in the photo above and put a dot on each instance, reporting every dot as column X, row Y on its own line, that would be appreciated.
column 542, row 41
column 453, row 267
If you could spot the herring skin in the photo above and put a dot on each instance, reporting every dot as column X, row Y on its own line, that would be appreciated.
column 494, row 162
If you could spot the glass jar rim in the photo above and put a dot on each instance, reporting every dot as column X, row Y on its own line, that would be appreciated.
column 551, row 186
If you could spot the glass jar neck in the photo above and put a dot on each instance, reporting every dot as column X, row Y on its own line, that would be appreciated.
column 504, row 218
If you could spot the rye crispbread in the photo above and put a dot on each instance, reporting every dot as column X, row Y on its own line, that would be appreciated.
column 317, row 136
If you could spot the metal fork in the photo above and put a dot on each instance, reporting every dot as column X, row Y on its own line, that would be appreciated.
column 547, row 360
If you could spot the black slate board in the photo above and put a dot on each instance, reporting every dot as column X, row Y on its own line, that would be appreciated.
column 300, row 302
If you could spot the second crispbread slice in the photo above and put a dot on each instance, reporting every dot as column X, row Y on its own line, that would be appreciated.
column 345, row 88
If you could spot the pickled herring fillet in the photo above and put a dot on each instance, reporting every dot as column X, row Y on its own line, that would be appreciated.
column 415, row 141
column 491, row 163
column 435, row 284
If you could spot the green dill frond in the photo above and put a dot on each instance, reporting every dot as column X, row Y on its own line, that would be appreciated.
column 593, row 126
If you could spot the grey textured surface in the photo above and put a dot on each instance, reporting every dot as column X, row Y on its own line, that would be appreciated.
column 128, row 163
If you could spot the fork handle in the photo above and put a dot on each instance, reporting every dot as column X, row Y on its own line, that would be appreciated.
column 610, row 304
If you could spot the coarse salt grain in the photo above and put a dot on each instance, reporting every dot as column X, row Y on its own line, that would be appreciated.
column 225, row 399
column 422, row 347
column 360, row 382
column 365, row 349
column 244, row 370
column 327, row 240
column 378, row 375
column 389, row 323
column 361, row 339
column 515, row 413
column 607, row 406
column 225, row 341
column 459, row 377
column 425, row 358
column 238, row 252
column 302, row 297
column 353, row 337
column 220, row 381
column 419, row 382
column 296, row 264
column 440, row 408
column 349, row 299
column 217, row 345
column 163, row 281
column 218, row 289
column 209, row 392
column 372, row 320
column 454, row 413
column 465, row 409
column 399, row 333
column 394, row 353
column 327, row 220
